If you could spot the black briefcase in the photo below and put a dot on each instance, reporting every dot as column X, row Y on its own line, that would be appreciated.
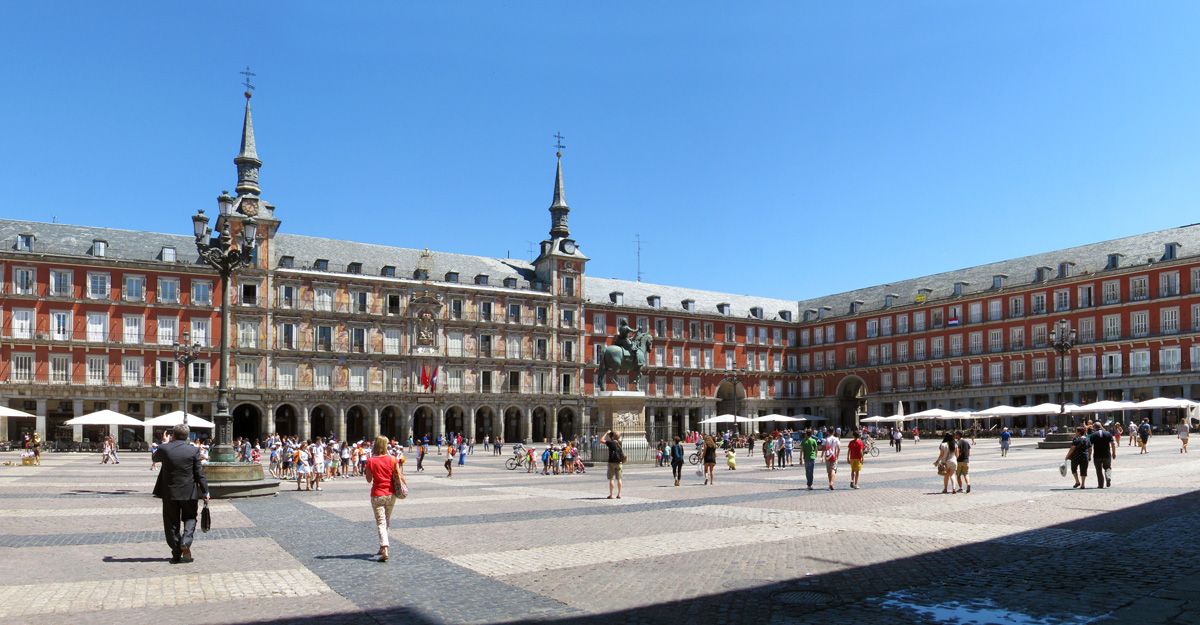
column 205, row 518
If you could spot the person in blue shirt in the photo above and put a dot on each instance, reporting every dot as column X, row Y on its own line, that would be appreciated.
column 1005, row 439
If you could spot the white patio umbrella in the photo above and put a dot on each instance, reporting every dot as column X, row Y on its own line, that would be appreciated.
column 1000, row 411
column 105, row 417
column 1107, row 405
column 1164, row 402
column 171, row 419
column 724, row 418
column 873, row 419
column 935, row 413
column 778, row 418
column 808, row 417
column 5, row 411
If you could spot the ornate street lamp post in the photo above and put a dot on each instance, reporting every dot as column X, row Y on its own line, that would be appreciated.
column 1062, row 339
column 734, row 377
column 226, row 259
column 186, row 353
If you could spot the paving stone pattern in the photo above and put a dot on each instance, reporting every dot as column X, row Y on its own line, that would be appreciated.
column 81, row 543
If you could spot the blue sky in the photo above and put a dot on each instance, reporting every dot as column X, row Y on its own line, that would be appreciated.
column 786, row 150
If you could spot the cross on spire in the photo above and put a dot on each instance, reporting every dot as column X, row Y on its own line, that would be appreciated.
column 249, row 87
column 559, row 143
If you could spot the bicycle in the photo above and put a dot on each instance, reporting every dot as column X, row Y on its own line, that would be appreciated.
column 870, row 447
column 516, row 461
column 694, row 458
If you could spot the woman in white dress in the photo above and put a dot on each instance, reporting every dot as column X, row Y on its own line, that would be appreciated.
column 302, row 467
column 946, row 462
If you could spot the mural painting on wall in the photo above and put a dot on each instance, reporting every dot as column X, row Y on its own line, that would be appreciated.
column 341, row 377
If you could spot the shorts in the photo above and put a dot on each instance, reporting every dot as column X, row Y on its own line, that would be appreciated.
column 345, row 461
column 962, row 469
column 1079, row 466
column 856, row 465
column 319, row 468
column 1004, row 445
column 831, row 467
column 614, row 470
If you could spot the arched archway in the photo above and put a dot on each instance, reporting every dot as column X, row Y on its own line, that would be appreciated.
column 246, row 420
column 512, row 425
column 356, row 423
column 566, row 424
column 455, row 421
column 422, row 423
column 320, row 423
column 852, row 400
column 387, row 422
column 485, row 423
column 541, row 425
column 287, row 420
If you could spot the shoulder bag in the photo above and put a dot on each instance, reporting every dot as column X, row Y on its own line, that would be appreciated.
column 399, row 485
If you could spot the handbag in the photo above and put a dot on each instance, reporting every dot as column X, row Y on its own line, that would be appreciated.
column 399, row 488
column 205, row 518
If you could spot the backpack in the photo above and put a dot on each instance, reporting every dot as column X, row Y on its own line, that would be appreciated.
column 1144, row 429
column 677, row 452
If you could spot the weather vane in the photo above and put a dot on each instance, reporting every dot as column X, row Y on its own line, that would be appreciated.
column 559, row 144
column 247, row 73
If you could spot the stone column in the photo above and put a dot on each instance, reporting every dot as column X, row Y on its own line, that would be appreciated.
column 340, row 425
column 553, row 425
column 267, row 425
column 113, row 429
column 148, row 430
column 4, row 425
column 77, row 430
column 670, row 424
column 302, row 428
column 439, row 423
column 374, row 429
column 526, row 434
column 41, row 420
column 469, row 424
column 498, row 426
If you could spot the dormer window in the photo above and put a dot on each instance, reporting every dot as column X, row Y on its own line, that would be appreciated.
column 923, row 295
column 510, row 283
column 809, row 314
column 420, row 274
column 756, row 312
column 99, row 248
column 824, row 311
column 998, row 281
column 388, row 271
column 1064, row 269
column 856, row 306
column 167, row 254
column 355, row 268
column 1043, row 274
column 654, row 301
column 481, row 279
column 786, row 315
column 689, row 305
column 25, row 242
column 723, row 309
column 287, row 262
column 451, row 276
column 616, row 297
column 890, row 299
column 958, row 288
column 1114, row 261
column 1171, row 251
column 321, row 264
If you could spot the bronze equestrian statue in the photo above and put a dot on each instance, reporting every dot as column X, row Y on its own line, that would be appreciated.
column 627, row 353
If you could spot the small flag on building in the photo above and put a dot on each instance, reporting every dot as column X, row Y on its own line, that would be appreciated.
column 424, row 377
column 433, row 379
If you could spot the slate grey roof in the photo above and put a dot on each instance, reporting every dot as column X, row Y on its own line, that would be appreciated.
column 340, row 254
column 147, row 246
column 1141, row 249
column 635, row 295
column 77, row 241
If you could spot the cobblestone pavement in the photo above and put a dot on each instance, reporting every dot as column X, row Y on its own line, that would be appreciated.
column 82, row 543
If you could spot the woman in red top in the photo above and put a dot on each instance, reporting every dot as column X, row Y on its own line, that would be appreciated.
column 379, row 471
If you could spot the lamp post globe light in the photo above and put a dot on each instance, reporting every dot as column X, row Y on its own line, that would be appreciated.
column 226, row 476
column 1062, row 339
column 734, row 377
column 186, row 353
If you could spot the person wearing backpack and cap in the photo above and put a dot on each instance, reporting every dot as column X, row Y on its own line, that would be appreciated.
column 616, row 459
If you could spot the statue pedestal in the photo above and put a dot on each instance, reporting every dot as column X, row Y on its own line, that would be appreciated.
column 623, row 412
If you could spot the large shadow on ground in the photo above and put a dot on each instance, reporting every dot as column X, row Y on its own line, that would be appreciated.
column 1087, row 570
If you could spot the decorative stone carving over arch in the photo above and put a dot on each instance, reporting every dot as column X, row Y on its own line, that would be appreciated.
column 426, row 311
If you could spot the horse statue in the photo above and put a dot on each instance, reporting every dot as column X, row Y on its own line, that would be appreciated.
column 616, row 358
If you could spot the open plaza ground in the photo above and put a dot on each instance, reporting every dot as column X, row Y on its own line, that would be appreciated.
column 82, row 542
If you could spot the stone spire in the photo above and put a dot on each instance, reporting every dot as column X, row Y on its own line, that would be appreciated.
column 247, row 160
column 559, row 209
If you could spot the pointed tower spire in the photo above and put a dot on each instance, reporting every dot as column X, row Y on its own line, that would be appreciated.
column 247, row 159
column 559, row 208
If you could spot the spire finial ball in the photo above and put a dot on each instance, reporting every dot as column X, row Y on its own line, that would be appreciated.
column 247, row 95
column 558, row 154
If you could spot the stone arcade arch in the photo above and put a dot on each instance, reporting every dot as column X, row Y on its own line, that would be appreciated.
column 422, row 423
column 357, row 421
column 566, row 423
column 540, row 425
column 388, row 425
column 247, row 418
column 852, row 400
column 455, row 420
column 485, row 423
column 321, row 422
column 512, row 425
column 287, row 420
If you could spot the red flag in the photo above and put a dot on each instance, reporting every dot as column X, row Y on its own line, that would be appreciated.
column 424, row 377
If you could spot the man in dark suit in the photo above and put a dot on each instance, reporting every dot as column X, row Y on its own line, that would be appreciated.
column 180, row 484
